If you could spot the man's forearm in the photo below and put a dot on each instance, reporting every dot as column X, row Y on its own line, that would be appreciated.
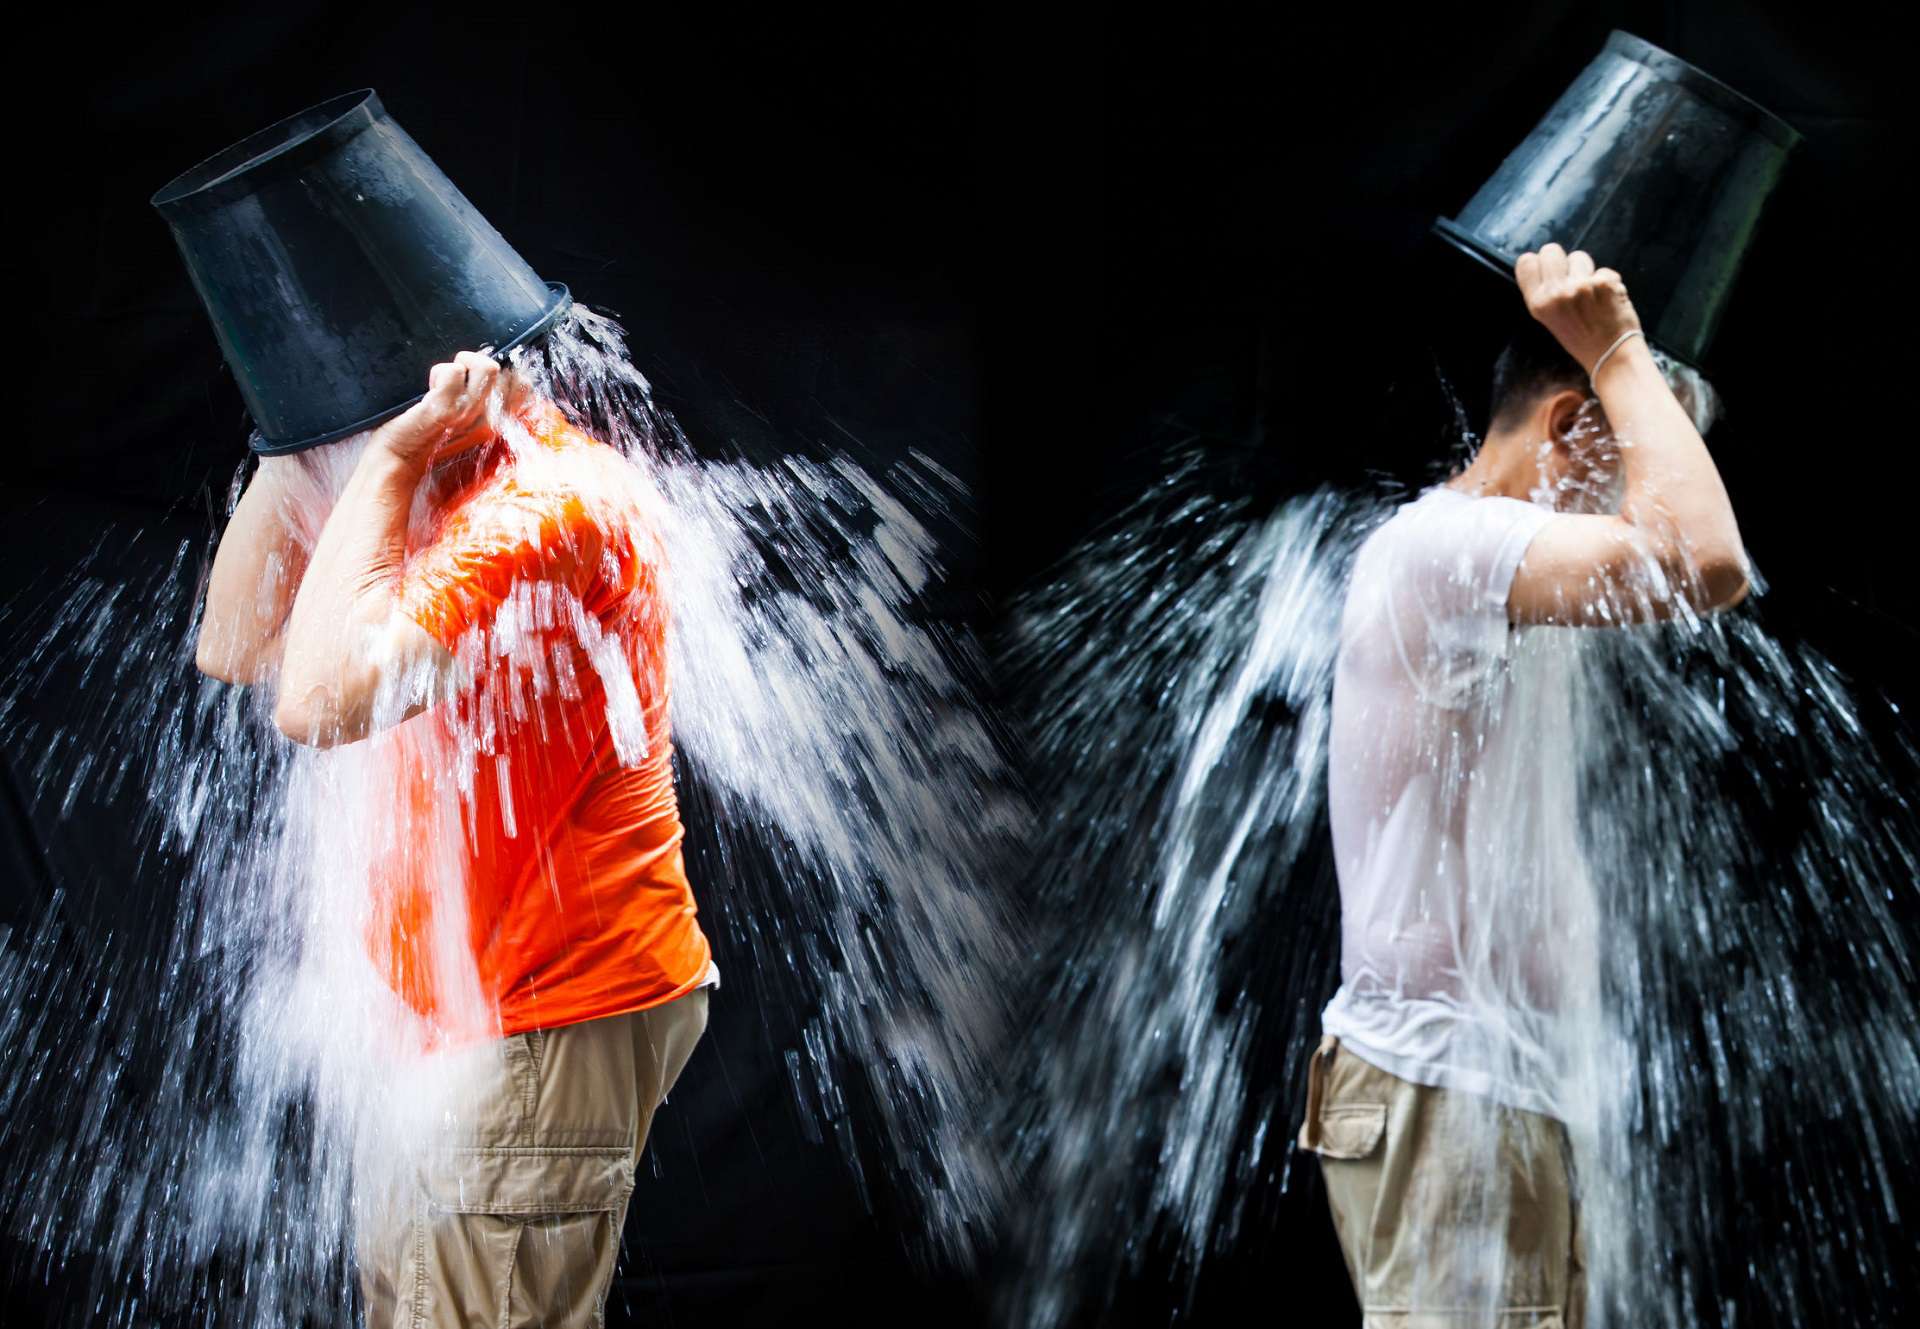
column 331, row 667
column 256, row 570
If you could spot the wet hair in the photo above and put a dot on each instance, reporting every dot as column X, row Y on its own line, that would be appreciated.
column 1531, row 365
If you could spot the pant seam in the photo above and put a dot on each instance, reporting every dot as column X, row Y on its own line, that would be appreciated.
column 506, row 1278
column 529, row 1090
column 418, row 1317
column 613, row 1265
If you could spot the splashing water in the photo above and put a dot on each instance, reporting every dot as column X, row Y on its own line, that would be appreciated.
column 1736, row 1034
column 209, row 1104
column 1170, row 820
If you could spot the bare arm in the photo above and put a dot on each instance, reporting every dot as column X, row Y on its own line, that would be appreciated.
column 354, row 664
column 1674, row 545
column 255, row 573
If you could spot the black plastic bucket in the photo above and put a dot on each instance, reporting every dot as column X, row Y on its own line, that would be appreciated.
column 339, row 264
column 1658, row 170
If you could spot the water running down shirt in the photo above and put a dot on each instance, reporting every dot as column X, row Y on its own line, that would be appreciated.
column 1468, row 946
column 541, row 575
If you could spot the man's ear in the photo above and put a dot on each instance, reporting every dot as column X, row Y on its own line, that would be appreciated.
column 1562, row 413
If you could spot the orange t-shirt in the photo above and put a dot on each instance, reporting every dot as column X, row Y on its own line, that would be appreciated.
column 543, row 581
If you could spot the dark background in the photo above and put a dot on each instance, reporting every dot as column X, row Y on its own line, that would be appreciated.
column 1039, row 247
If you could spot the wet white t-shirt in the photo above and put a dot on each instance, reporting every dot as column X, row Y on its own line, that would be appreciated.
column 1466, row 910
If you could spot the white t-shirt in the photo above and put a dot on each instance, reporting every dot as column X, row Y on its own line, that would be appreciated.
column 1467, row 922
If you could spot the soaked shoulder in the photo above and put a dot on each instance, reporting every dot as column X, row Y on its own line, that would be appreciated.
column 574, row 487
column 1371, row 578
column 1380, row 545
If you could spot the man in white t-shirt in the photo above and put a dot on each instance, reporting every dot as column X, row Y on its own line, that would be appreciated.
column 1441, row 1096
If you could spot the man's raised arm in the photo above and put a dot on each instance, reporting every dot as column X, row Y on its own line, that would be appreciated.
column 353, row 662
column 256, row 570
column 1675, row 542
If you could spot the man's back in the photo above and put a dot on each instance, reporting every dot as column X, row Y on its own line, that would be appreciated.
column 1465, row 908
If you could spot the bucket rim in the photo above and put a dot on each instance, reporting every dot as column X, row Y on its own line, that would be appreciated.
column 560, row 301
column 1702, row 84
column 1466, row 242
column 288, row 143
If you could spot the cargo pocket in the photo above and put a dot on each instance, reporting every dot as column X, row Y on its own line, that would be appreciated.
column 530, row 1180
column 509, row 1165
column 1338, row 1130
column 1351, row 1130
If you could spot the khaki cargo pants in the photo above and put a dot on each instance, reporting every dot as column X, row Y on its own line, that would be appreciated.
column 1452, row 1211
column 518, row 1225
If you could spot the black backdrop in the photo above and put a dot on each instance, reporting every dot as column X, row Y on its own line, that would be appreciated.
column 1038, row 246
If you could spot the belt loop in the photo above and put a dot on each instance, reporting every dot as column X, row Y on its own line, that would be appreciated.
column 1316, row 1087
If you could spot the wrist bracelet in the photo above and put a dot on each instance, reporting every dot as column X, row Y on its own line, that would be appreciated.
column 1618, row 342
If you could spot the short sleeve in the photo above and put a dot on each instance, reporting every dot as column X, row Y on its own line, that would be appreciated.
column 488, row 546
column 1450, row 566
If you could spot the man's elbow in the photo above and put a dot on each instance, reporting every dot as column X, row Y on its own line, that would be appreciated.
column 1722, row 581
column 219, row 660
column 218, row 655
column 293, row 721
column 219, row 670
column 307, row 725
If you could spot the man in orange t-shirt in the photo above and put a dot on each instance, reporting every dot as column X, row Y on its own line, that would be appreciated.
column 513, row 657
